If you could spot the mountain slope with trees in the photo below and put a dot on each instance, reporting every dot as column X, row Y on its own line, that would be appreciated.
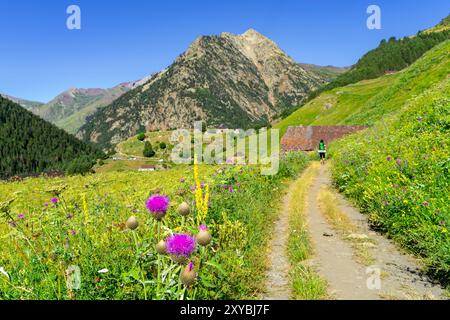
column 30, row 145
column 368, row 101
column 390, row 56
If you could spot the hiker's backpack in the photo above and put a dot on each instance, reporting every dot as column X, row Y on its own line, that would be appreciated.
column 321, row 146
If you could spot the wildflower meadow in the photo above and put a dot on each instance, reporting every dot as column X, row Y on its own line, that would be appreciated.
column 196, row 232
column 398, row 172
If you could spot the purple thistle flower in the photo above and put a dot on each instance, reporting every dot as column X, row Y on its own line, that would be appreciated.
column 203, row 227
column 399, row 162
column 46, row 204
column 20, row 216
column 190, row 266
column 157, row 205
column 73, row 232
column 182, row 180
column 442, row 223
column 180, row 245
column 193, row 188
column 54, row 200
column 426, row 204
column 231, row 189
column 69, row 216
column 389, row 158
column 419, row 118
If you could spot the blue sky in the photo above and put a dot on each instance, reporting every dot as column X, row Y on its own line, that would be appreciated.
column 127, row 40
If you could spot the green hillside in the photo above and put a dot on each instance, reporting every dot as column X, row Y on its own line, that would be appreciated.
column 399, row 172
column 30, row 145
column 391, row 55
column 368, row 101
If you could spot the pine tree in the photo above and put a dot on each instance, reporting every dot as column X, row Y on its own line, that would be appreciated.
column 148, row 150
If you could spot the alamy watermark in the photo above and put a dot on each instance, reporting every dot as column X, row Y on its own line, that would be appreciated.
column 73, row 278
column 373, row 282
column 228, row 146
column 73, row 22
column 374, row 20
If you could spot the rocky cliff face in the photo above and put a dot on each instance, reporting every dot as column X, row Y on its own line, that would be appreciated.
column 235, row 81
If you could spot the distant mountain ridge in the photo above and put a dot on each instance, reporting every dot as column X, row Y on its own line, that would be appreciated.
column 228, row 80
column 70, row 109
column 27, row 104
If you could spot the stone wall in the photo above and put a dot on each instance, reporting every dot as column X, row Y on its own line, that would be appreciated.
column 307, row 138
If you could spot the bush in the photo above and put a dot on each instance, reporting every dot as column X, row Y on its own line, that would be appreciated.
column 141, row 136
column 148, row 150
column 162, row 145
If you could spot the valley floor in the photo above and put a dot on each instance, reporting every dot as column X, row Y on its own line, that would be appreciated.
column 355, row 262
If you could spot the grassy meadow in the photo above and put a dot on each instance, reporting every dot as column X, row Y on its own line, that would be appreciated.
column 398, row 171
column 52, row 226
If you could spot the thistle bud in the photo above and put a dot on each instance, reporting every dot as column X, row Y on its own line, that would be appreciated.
column 132, row 223
column 204, row 237
column 188, row 275
column 184, row 209
column 161, row 247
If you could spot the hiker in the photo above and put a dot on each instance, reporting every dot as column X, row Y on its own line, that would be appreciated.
column 322, row 151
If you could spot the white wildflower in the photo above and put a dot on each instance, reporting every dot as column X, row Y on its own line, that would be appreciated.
column 2, row 271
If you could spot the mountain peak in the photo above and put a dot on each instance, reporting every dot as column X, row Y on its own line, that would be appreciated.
column 233, row 80
column 253, row 33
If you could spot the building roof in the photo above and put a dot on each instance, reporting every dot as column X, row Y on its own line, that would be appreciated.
column 307, row 138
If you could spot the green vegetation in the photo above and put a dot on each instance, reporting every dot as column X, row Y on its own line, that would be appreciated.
column 391, row 55
column 399, row 171
column 85, row 227
column 141, row 136
column 30, row 145
column 148, row 150
column 368, row 101
column 335, row 106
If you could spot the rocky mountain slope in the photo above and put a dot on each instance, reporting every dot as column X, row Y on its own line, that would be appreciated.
column 228, row 80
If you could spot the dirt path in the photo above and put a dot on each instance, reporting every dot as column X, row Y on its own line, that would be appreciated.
column 393, row 275
column 278, row 285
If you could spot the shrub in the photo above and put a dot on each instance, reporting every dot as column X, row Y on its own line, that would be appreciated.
column 148, row 150
column 141, row 136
